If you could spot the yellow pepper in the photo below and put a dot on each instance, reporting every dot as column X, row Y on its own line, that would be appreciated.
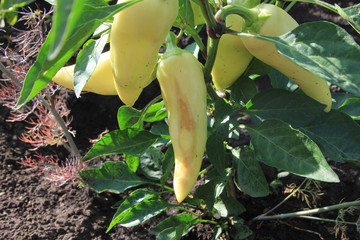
column 184, row 92
column 279, row 23
column 232, row 57
column 101, row 81
column 136, row 36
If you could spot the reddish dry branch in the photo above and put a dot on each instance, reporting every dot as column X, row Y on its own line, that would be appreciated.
column 53, row 168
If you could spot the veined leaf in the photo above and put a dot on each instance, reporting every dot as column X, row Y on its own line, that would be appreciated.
column 151, row 163
column 328, row 130
column 111, row 176
column 174, row 226
column 167, row 164
column 128, row 141
column 278, row 145
column 129, row 203
column 86, row 62
column 211, row 190
column 249, row 175
column 143, row 211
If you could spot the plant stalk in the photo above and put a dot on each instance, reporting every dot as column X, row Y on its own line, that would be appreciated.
column 306, row 212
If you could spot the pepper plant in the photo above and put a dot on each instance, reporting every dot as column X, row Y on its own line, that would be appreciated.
column 297, row 126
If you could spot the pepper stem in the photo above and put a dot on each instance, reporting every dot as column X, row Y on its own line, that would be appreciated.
column 249, row 15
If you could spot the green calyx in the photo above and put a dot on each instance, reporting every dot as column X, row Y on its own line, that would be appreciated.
column 262, row 17
column 171, row 46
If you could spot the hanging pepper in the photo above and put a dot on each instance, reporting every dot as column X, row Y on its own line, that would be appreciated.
column 183, row 89
column 101, row 80
column 136, row 36
column 278, row 22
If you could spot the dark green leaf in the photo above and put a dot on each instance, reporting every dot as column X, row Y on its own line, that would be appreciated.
column 241, row 231
column 352, row 108
column 297, row 109
column 278, row 145
column 211, row 190
column 151, row 163
column 174, row 227
column 86, row 62
column 328, row 130
column 233, row 206
column 352, row 15
column 160, row 129
column 339, row 99
column 128, row 141
column 249, row 175
column 222, row 110
column 279, row 80
column 243, row 90
column 215, row 151
column 167, row 165
column 129, row 203
column 111, row 176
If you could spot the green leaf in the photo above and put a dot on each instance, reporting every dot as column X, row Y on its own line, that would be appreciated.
column 339, row 98
column 351, row 107
column 12, row 5
column 243, row 90
column 352, row 15
column 278, row 145
column 86, row 62
column 241, row 230
column 70, row 15
column 222, row 110
column 63, row 14
column 228, row 206
column 336, row 134
column 160, row 129
column 233, row 207
column 279, row 80
column 92, row 14
column 174, row 226
column 156, row 112
column 215, row 151
column 130, row 203
column 324, row 49
column 128, row 141
column 249, row 175
column 111, row 176
column 151, row 163
column 167, row 165
column 328, row 130
column 143, row 211
column 133, row 162
column 128, row 117
column 11, row 18
column 297, row 109
column 211, row 190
